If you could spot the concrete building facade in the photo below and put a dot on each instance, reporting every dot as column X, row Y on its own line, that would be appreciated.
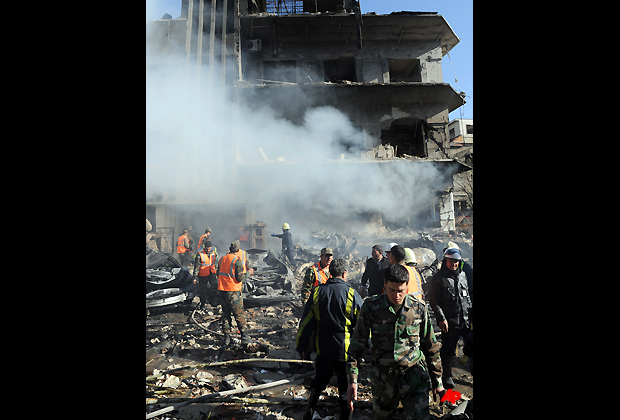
column 384, row 72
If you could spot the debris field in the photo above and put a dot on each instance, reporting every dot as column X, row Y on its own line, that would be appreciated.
column 186, row 360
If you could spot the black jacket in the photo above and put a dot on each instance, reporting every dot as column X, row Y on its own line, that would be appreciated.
column 332, row 310
column 450, row 297
column 374, row 274
column 287, row 240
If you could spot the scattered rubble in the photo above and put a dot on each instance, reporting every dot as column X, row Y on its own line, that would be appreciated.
column 273, row 312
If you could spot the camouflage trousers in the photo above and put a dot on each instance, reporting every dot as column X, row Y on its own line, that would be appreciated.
column 232, row 305
column 389, row 388
column 207, row 290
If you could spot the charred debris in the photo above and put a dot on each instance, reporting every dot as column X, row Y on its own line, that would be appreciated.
column 192, row 376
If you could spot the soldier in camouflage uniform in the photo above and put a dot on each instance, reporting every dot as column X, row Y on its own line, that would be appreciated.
column 405, row 352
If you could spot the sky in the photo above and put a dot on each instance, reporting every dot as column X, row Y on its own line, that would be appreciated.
column 458, row 13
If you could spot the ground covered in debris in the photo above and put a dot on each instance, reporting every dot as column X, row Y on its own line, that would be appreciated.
column 174, row 340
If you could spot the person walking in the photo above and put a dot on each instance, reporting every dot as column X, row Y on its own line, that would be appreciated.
column 205, row 270
column 231, row 276
column 332, row 313
column 403, row 342
column 451, row 304
column 372, row 280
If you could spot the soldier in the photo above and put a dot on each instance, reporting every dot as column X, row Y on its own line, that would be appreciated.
column 231, row 276
column 317, row 274
column 402, row 336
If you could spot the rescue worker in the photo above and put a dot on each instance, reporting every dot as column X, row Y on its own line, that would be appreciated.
column 317, row 274
column 402, row 338
column 205, row 272
column 287, row 243
column 397, row 257
column 231, row 276
column 466, row 268
column 205, row 237
column 451, row 303
column 411, row 262
column 342, row 303
column 184, row 249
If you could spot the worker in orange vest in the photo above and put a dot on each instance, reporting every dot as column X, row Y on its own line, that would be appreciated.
column 231, row 275
column 397, row 257
column 317, row 274
column 184, row 249
column 411, row 261
column 205, row 273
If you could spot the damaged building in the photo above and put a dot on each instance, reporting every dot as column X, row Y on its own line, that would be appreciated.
column 382, row 72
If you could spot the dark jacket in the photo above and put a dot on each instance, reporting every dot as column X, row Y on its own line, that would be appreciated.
column 374, row 274
column 450, row 297
column 332, row 310
column 287, row 240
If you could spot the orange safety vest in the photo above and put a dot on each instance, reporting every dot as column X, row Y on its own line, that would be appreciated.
column 207, row 265
column 415, row 283
column 319, row 274
column 243, row 256
column 227, row 279
column 183, row 244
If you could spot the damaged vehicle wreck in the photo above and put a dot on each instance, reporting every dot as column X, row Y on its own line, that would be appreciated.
column 273, row 282
column 167, row 283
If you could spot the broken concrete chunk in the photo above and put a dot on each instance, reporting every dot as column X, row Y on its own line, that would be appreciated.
column 204, row 376
column 234, row 381
column 172, row 382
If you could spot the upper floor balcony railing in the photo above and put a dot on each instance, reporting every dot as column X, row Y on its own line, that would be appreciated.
column 298, row 7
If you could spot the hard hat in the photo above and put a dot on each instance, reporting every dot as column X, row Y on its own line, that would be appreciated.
column 410, row 256
column 286, row 226
column 451, row 245
column 453, row 254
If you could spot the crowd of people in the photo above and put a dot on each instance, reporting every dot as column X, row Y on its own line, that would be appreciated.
column 393, row 322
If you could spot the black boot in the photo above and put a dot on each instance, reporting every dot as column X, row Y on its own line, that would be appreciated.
column 345, row 410
column 314, row 398
column 446, row 377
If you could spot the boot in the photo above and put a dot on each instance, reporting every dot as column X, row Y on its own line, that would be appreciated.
column 446, row 377
column 345, row 410
column 245, row 338
column 314, row 398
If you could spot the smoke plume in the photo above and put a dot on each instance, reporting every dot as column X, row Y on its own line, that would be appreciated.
column 197, row 134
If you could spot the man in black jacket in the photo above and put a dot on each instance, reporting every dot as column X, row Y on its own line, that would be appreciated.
column 332, row 311
column 375, row 272
column 287, row 243
column 451, row 302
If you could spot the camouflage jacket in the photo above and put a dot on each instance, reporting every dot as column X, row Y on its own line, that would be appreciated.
column 308, row 285
column 398, row 340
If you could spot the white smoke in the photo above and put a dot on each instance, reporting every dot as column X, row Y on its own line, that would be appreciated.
column 196, row 135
